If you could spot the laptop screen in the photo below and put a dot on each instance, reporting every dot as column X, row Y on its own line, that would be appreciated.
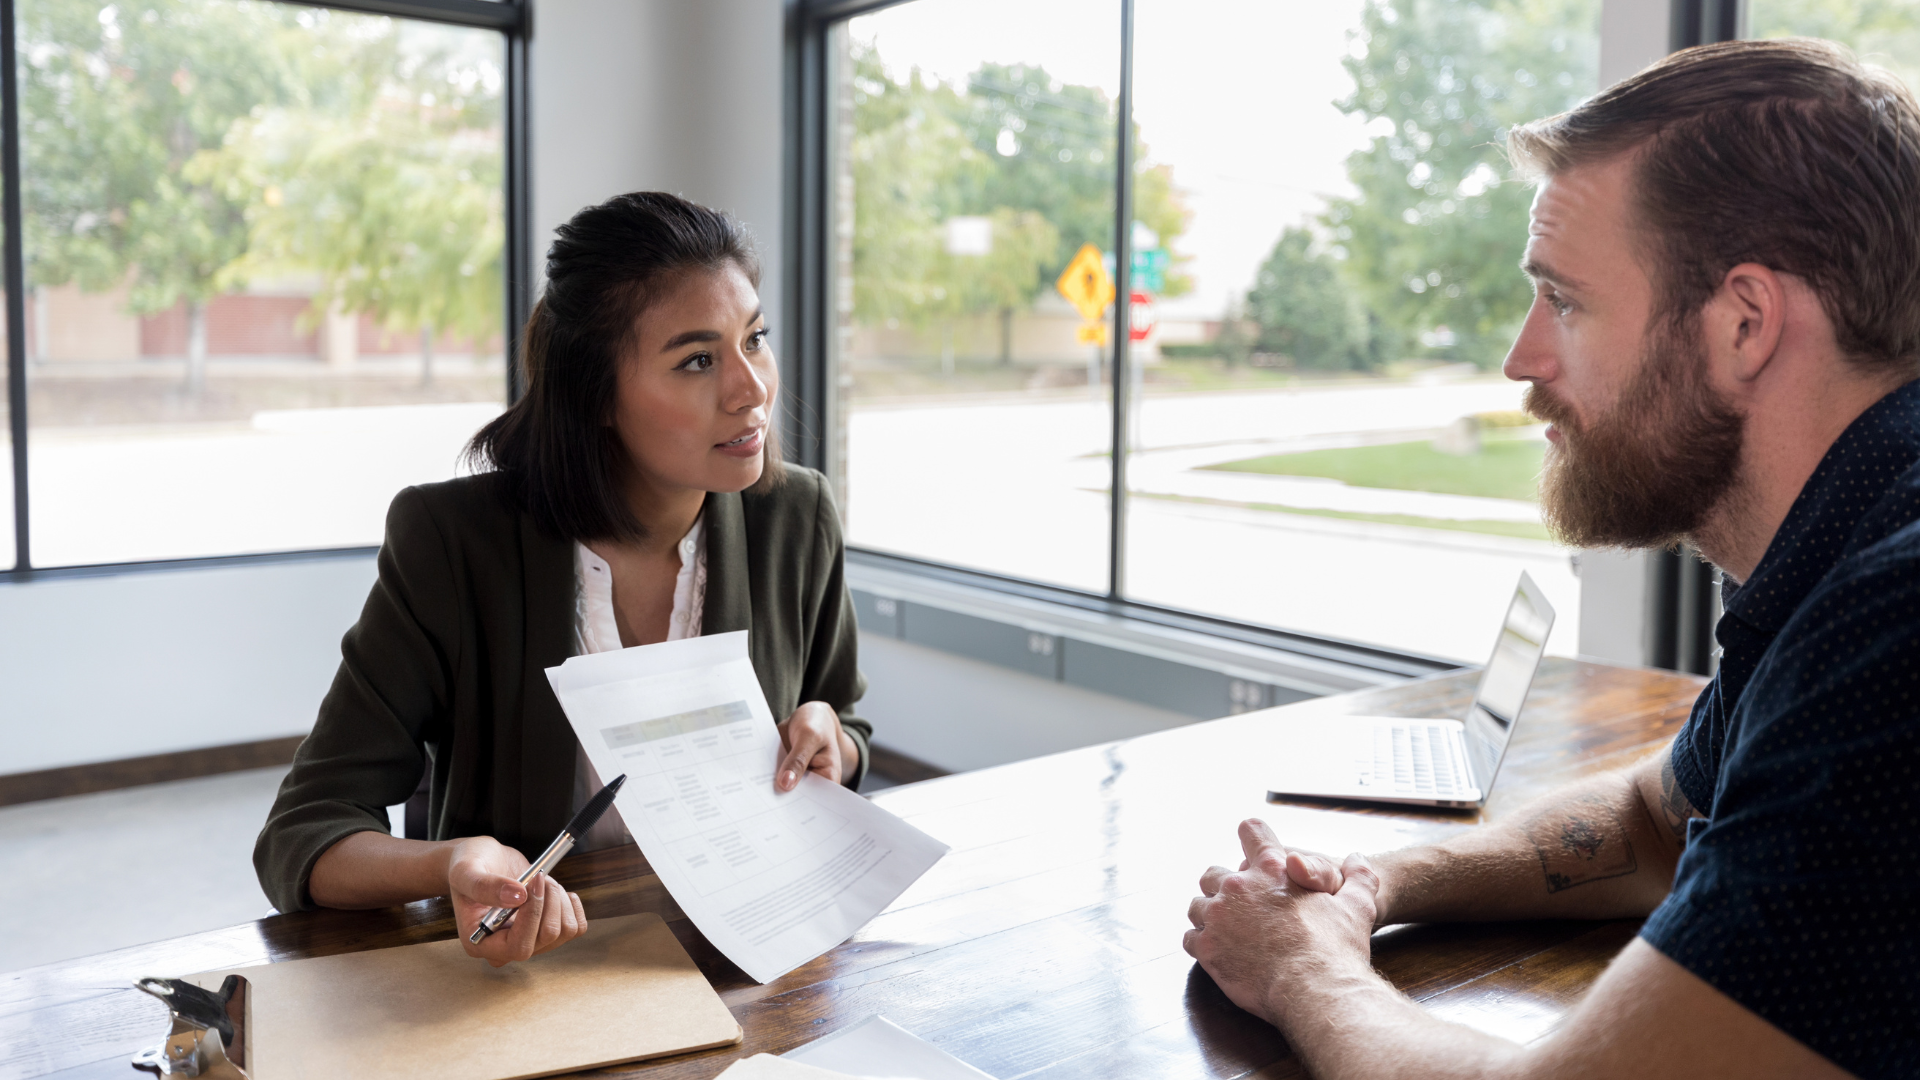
column 1508, row 676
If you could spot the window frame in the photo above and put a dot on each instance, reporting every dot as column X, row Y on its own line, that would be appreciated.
column 511, row 18
column 1682, row 592
column 807, row 365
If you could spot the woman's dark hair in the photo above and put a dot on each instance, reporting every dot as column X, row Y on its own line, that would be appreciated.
column 555, row 448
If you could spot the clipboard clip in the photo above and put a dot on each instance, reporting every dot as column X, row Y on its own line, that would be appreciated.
column 209, row 1030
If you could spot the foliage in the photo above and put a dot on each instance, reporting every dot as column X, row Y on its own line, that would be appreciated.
column 397, row 205
column 1014, row 145
column 183, row 147
column 1305, row 311
column 1061, row 167
column 1434, row 235
column 1234, row 343
column 1503, row 469
column 1883, row 32
column 113, row 108
column 1189, row 350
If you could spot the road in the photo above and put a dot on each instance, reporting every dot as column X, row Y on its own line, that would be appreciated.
column 1020, row 488
column 1016, row 486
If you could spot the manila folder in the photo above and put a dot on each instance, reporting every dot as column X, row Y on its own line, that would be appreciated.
column 623, row 991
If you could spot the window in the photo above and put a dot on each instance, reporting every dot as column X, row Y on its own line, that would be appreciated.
column 6, row 470
column 263, row 265
column 1886, row 34
column 974, row 166
column 1322, row 263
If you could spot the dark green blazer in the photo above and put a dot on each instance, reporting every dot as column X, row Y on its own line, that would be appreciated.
column 447, row 666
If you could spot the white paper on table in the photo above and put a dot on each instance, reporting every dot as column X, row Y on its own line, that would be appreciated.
column 768, row 1067
column 879, row 1049
column 772, row 879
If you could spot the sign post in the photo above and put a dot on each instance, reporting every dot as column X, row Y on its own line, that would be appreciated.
column 1140, row 316
column 1089, row 288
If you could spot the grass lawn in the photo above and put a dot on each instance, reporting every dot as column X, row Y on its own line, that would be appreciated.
column 1526, row 530
column 1503, row 469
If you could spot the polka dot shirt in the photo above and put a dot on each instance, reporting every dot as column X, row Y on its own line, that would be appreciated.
column 1799, row 894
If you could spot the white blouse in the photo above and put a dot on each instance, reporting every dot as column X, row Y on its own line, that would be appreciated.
column 595, row 631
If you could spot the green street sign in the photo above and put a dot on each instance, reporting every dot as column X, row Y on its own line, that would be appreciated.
column 1148, row 270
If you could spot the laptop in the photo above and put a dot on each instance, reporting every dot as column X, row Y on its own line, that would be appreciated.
column 1429, row 762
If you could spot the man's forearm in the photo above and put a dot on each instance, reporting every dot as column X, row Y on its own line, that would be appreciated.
column 1594, row 851
column 1352, row 1023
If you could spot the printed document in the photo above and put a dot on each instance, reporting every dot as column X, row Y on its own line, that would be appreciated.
column 879, row 1049
column 772, row 879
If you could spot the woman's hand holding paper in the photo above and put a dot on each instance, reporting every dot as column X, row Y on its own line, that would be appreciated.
column 813, row 741
column 481, row 874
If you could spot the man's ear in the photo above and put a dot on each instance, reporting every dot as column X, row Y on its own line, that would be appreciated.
column 1744, row 321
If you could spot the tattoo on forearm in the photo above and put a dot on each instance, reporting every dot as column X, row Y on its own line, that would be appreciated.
column 1580, row 843
column 1674, row 805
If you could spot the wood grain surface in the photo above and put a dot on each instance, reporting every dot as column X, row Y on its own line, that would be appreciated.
column 1047, row 944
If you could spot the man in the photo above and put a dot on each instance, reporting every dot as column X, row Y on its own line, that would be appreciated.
column 1725, row 330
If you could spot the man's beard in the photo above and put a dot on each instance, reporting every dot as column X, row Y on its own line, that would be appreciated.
column 1650, row 471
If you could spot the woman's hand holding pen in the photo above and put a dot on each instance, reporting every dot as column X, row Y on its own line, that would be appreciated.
column 814, row 742
column 481, row 874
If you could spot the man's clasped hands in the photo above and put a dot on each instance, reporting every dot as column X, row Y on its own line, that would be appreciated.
column 1285, row 916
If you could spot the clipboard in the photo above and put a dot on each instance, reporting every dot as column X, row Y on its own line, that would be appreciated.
column 625, row 991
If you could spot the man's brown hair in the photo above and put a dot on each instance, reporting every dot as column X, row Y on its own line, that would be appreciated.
column 1787, row 153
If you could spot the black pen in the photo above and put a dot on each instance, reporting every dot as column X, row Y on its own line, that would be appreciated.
column 582, row 821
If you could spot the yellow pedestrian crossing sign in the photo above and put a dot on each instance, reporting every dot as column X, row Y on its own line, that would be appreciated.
column 1086, row 284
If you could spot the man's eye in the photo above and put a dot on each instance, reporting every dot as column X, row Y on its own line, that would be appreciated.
column 1556, row 301
column 697, row 362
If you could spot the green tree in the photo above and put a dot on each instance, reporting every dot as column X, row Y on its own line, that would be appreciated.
column 1062, row 164
column 397, row 205
column 1305, row 311
column 114, row 106
column 1884, row 32
column 1051, row 146
column 1435, row 233
column 1032, row 154
column 904, row 156
column 184, row 147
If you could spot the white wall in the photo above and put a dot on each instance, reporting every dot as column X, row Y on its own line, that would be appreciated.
column 1633, row 34
column 101, row 668
column 661, row 95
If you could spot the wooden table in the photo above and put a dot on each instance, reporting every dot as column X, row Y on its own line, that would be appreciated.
column 1048, row 942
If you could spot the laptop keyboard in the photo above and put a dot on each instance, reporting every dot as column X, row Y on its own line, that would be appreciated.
column 1419, row 758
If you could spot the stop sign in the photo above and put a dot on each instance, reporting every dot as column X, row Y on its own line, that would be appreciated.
column 1140, row 317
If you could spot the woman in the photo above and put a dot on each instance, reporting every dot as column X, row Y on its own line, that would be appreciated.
column 634, row 495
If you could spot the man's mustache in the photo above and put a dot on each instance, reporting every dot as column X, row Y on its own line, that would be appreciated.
column 1542, row 405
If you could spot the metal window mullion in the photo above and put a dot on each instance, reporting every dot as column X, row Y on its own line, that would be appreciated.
column 517, row 275
column 504, row 15
column 1702, row 22
column 1122, row 289
column 1682, row 590
column 807, row 263
column 15, row 283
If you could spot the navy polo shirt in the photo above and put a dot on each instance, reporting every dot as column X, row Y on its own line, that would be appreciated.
column 1799, row 894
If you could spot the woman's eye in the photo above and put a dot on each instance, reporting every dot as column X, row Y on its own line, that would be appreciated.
column 697, row 362
column 756, row 339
